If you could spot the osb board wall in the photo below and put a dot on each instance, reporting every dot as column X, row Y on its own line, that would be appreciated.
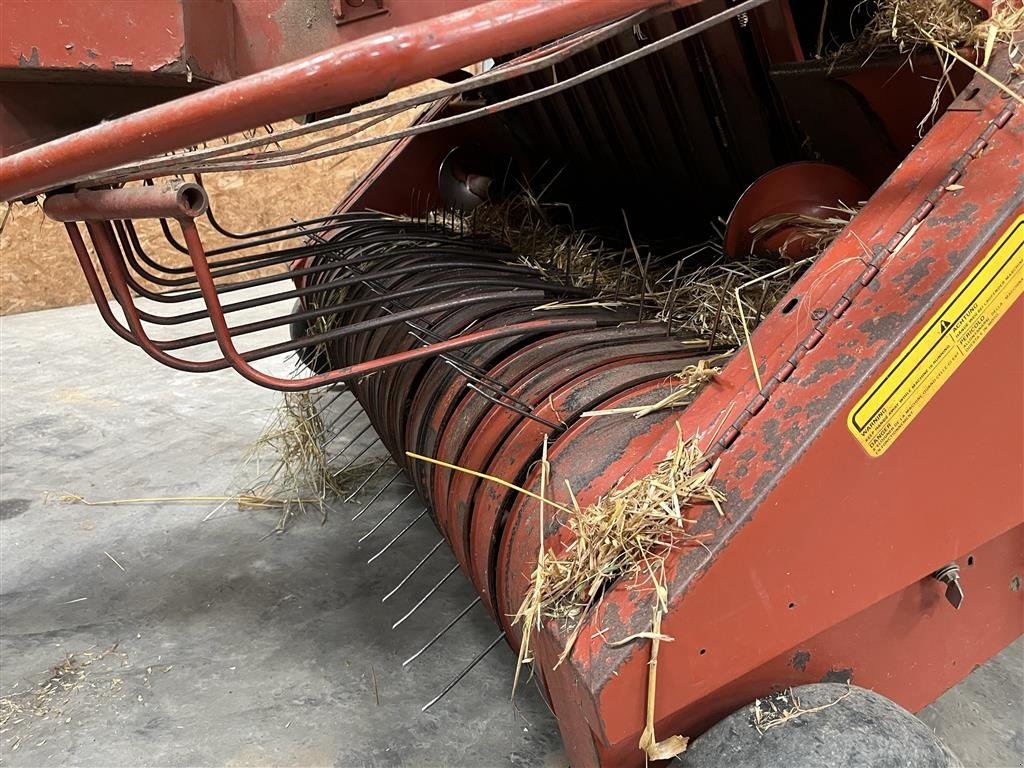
column 38, row 269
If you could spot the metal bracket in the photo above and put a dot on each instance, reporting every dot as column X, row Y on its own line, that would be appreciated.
column 347, row 11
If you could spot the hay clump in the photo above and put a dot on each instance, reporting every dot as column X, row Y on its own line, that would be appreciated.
column 815, row 233
column 908, row 24
column 955, row 30
column 558, row 252
column 692, row 379
column 294, row 463
column 625, row 534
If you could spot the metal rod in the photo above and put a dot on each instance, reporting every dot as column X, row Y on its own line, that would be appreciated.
column 426, row 597
column 376, row 496
column 367, row 479
column 414, row 569
column 380, row 522
column 398, row 535
column 342, row 429
column 314, row 83
column 362, row 453
column 438, row 636
column 458, row 678
column 351, row 442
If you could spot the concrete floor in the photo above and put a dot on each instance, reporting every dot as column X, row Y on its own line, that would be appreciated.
column 235, row 647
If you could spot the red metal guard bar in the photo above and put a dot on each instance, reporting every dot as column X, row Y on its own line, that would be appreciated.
column 363, row 69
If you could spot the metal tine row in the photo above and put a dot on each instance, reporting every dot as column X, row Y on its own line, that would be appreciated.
column 478, row 382
column 438, row 636
column 478, row 378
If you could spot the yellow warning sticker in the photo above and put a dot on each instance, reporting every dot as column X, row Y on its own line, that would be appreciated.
column 943, row 344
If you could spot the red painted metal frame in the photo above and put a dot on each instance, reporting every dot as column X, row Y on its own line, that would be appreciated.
column 820, row 539
column 98, row 208
column 362, row 69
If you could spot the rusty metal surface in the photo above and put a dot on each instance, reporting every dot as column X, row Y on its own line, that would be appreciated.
column 92, row 40
column 791, row 554
column 362, row 69
column 171, row 202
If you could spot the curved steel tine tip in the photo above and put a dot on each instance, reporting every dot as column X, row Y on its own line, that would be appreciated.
column 367, row 479
column 381, row 522
column 426, row 597
column 440, row 634
column 398, row 535
column 377, row 495
column 458, row 678
column 415, row 568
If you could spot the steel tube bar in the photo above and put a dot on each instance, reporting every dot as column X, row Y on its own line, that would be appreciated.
column 342, row 75
column 181, row 201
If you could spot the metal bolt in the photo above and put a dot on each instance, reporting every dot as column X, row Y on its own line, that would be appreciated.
column 743, row 19
column 818, row 312
column 950, row 576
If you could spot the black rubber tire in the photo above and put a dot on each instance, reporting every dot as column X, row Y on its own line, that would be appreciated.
column 862, row 728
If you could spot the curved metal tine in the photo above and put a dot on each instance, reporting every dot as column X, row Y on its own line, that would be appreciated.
column 377, row 495
column 398, row 535
column 447, row 357
column 461, row 365
column 322, row 392
column 440, row 634
column 458, row 678
column 341, row 430
column 718, row 314
column 672, row 299
column 414, row 569
column 367, row 479
column 381, row 522
column 515, row 407
column 362, row 453
column 258, row 232
column 427, row 596
column 350, row 443
column 341, row 415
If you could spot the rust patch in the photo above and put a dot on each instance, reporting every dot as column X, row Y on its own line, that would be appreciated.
column 841, row 675
column 32, row 61
column 91, row 53
column 914, row 274
column 800, row 659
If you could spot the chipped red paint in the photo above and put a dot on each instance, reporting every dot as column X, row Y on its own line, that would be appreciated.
column 368, row 67
column 819, row 535
column 91, row 35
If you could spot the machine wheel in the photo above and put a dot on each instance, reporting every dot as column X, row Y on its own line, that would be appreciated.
column 850, row 727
